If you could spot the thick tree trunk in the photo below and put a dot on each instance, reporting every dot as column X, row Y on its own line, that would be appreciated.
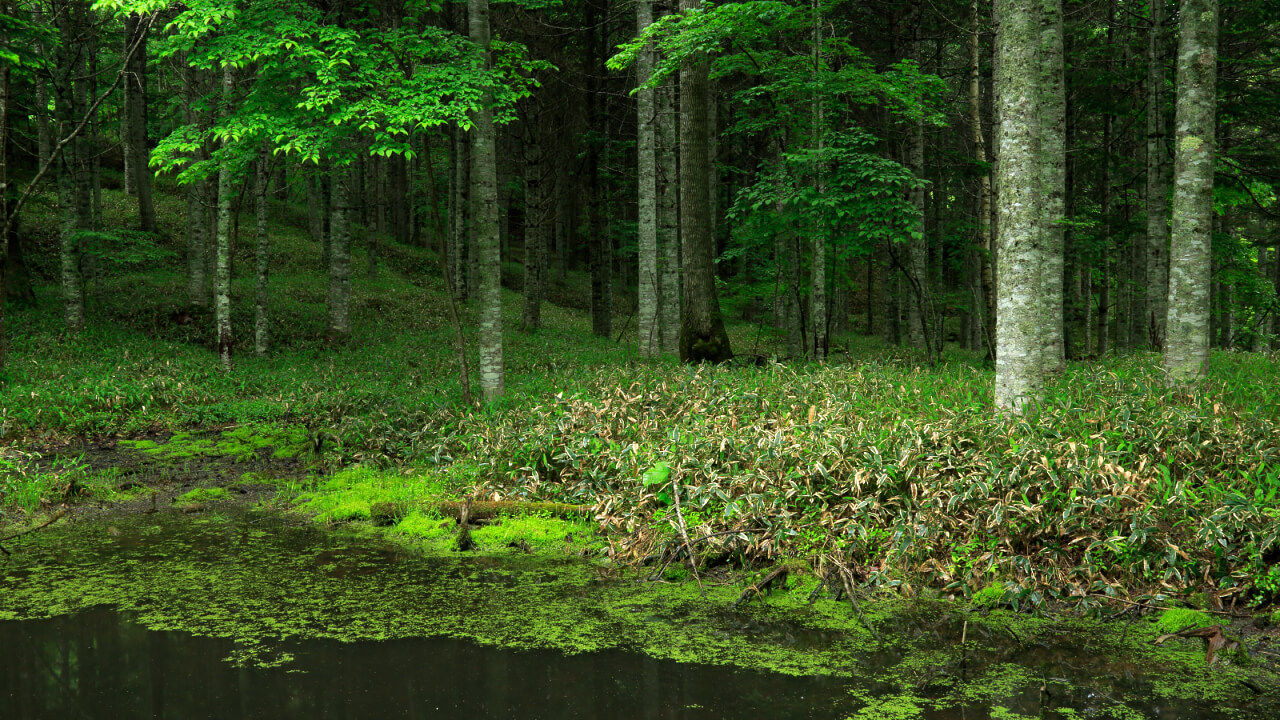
column 261, row 314
column 135, row 96
column 339, row 304
column 702, row 334
column 648, row 289
column 1187, row 345
column 222, row 273
column 484, row 218
column 668, row 218
column 1027, row 172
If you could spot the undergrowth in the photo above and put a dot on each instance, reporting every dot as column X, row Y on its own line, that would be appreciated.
column 899, row 473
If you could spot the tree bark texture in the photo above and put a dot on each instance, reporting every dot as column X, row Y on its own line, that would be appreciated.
column 539, row 179
column 484, row 217
column 339, row 303
column 648, row 288
column 1028, row 233
column 668, row 202
column 702, row 334
column 135, row 96
column 222, row 271
column 1187, row 344
column 69, row 68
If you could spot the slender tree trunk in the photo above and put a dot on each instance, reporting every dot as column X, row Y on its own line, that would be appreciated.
column 538, row 179
column 984, row 305
column 261, row 316
column 44, row 136
column 197, row 226
column 1274, row 325
column 135, row 93
column 668, row 218
column 69, row 66
column 702, row 333
column 817, row 348
column 6, row 9
column 222, row 274
column 1187, row 348
column 484, row 171
column 462, row 254
column 1053, row 161
column 648, row 288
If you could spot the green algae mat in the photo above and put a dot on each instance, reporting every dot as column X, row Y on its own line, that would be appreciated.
column 166, row 614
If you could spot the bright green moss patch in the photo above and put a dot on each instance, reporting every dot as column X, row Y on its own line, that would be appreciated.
column 1178, row 619
column 242, row 444
column 202, row 495
column 989, row 596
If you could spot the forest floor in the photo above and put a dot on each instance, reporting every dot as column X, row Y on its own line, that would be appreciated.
column 873, row 470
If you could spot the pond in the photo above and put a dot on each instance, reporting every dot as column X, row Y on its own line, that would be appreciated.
column 253, row 615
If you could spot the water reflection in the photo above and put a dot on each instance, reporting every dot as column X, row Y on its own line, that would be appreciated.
column 97, row 664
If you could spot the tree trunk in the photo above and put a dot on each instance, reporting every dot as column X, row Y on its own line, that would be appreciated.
column 197, row 225
column 538, row 179
column 5, row 207
column 668, row 218
column 599, row 245
column 1158, row 177
column 135, row 96
column 1053, row 161
column 484, row 172
column 817, row 348
column 1025, row 179
column 648, row 289
column 461, row 226
column 261, row 316
column 1187, row 346
column 339, row 303
column 702, row 334
column 222, row 273
column 69, row 66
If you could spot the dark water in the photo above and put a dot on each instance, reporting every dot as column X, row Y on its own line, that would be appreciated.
column 94, row 661
column 97, row 664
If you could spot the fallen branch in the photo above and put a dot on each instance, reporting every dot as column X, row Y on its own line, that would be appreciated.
column 1224, row 613
column 41, row 526
column 1215, row 641
column 778, row 575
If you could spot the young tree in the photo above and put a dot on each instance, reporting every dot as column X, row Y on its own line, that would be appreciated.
column 650, row 317
column 1157, row 183
column 222, row 241
column 484, row 216
column 1187, row 345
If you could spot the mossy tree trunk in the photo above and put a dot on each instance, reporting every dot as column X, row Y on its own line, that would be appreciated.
column 1187, row 344
column 484, row 218
column 1031, row 152
column 649, row 291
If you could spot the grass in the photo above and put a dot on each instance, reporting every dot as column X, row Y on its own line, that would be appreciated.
column 898, row 474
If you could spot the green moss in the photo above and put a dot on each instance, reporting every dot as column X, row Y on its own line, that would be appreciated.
column 889, row 707
column 202, row 495
column 989, row 596
column 1177, row 619
column 241, row 444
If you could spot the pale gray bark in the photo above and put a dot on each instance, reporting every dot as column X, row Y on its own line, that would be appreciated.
column 339, row 301
column 222, row 272
column 668, row 220
column 1187, row 346
column 1021, row 336
column 484, row 218
column 261, row 310
column 649, row 329
column 702, row 333
column 197, row 225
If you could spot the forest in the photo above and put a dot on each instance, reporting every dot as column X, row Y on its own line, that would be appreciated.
column 900, row 320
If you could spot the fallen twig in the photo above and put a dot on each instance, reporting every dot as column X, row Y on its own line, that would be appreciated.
column 41, row 526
